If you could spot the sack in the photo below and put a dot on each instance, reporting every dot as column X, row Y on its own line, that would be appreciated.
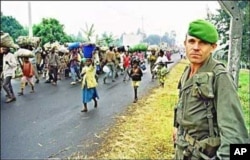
column 34, row 41
column 74, row 45
column 55, row 45
column 47, row 46
column 24, row 41
column 104, row 48
column 106, row 69
column 63, row 49
column 24, row 53
column 7, row 41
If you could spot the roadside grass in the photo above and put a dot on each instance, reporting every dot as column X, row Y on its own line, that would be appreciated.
column 144, row 131
column 244, row 95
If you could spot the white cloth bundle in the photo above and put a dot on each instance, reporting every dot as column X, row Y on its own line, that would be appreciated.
column 24, row 53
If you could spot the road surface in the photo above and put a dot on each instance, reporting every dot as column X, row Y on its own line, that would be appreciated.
column 49, row 124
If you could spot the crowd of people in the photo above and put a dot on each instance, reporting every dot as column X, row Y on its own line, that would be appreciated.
column 208, row 116
column 53, row 65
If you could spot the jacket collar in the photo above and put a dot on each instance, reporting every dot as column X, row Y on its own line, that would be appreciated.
column 187, row 82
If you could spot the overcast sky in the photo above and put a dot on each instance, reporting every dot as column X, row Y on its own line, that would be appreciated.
column 115, row 17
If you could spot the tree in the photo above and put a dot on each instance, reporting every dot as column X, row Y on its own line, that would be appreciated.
column 153, row 39
column 165, row 38
column 50, row 30
column 107, row 39
column 10, row 25
column 78, row 37
column 234, row 18
column 172, row 38
column 89, row 32
column 222, row 23
column 235, row 37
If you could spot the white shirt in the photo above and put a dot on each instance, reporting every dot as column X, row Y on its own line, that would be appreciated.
column 161, row 59
column 9, row 69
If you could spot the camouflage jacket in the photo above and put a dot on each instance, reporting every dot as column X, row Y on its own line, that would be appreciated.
column 218, row 91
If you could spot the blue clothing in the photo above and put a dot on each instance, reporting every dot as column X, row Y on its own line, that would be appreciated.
column 75, row 72
column 89, row 94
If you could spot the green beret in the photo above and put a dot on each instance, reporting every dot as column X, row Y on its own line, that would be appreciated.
column 203, row 30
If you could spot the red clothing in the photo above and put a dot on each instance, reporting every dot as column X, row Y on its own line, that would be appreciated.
column 27, row 69
column 126, row 61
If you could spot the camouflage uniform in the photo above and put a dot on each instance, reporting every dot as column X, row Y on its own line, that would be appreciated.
column 209, row 115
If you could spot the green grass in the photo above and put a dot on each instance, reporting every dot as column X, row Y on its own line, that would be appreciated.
column 144, row 131
column 243, row 91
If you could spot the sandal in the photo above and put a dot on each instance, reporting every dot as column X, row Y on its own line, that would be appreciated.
column 84, row 110
column 10, row 100
column 20, row 93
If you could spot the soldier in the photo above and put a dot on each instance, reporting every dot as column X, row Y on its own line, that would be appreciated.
column 208, row 116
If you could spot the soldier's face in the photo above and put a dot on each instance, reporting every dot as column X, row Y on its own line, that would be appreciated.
column 198, row 51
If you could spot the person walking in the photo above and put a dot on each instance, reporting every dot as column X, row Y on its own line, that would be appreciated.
column 74, row 61
column 136, row 75
column 9, row 67
column 89, row 84
column 208, row 116
column 126, row 59
column 109, row 61
column 28, row 73
column 53, row 62
column 152, row 59
column 162, row 72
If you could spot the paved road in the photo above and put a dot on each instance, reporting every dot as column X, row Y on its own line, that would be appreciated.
column 49, row 124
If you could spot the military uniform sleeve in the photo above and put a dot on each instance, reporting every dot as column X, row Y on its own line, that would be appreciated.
column 229, row 115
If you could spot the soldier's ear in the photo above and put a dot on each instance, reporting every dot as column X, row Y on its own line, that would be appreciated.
column 214, row 46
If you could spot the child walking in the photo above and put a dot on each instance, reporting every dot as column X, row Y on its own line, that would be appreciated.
column 28, row 73
column 89, row 84
column 135, row 74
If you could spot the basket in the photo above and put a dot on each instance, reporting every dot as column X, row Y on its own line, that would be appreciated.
column 88, row 50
